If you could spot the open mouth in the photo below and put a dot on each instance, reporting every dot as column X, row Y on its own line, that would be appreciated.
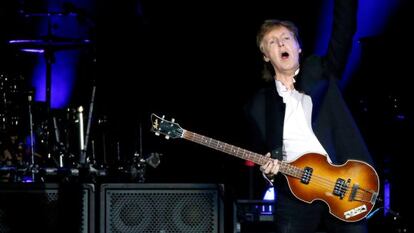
column 284, row 55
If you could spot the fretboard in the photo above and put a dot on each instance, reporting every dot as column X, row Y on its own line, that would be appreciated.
column 256, row 158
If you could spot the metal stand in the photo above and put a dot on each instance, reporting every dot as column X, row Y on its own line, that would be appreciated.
column 32, row 161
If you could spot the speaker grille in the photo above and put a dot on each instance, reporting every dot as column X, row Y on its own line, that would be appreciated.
column 46, row 208
column 162, row 208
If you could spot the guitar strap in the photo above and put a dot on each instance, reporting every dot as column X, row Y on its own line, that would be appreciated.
column 275, row 108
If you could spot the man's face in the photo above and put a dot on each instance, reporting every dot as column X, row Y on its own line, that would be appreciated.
column 280, row 47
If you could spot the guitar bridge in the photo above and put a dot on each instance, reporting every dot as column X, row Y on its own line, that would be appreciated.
column 355, row 188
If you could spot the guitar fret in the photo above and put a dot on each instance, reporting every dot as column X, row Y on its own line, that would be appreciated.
column 227, row 148
column 208, row 142
column 237, row 151
column 290, row 170
column 216, row 143
column 220, row 145
column 232, row 149
column 244, row 154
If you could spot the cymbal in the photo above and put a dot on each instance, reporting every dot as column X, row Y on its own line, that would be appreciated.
column 52, row 44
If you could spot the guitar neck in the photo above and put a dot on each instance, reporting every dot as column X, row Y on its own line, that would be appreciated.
column 256, row 158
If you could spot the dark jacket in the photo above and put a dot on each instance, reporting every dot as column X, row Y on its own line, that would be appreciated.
column 318, row 77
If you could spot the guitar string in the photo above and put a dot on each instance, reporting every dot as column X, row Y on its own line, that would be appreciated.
column 297, row 172
column 323, row 181
column 294, row 171
column 225, row 148
column 361, row 193
column 327, row 184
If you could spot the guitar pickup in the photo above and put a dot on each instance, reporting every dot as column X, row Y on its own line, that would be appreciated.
column 341, row 187
column 306, row 176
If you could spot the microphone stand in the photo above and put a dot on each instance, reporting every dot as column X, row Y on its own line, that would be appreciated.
column 84, row 143
column 32, row 161
column 82, row 158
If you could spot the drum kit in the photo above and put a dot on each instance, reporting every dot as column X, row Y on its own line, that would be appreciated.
column 36, row 139
column 39, row 143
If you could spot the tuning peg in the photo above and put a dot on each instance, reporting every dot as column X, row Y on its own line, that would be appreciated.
column 172, row 120
column 163, row 117
column 167, row 137
column 156, row 133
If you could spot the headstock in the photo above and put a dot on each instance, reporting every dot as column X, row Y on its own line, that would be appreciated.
column 168, row 128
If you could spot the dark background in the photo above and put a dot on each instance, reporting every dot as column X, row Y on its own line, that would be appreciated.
column 197, row 62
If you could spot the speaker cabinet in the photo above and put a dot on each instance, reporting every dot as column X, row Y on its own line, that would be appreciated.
column 46, row 207
column 161, row 208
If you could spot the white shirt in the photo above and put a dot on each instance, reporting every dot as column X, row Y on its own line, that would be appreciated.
column 298, row 136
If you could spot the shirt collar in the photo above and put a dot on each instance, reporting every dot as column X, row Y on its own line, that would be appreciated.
column 282, row 88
